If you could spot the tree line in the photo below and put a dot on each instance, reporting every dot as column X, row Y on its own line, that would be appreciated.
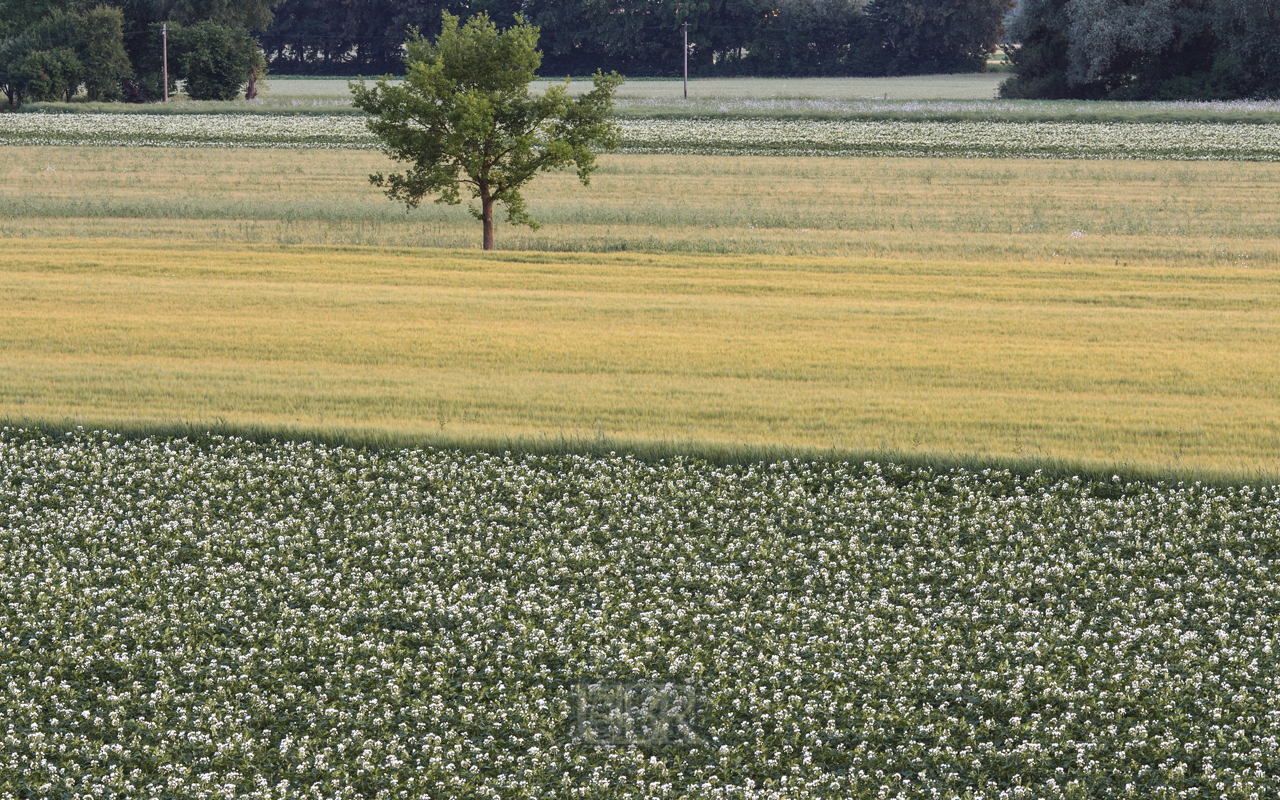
column 642, row 38
column 51, row 48
column 1145, row 49
column 1069, row 49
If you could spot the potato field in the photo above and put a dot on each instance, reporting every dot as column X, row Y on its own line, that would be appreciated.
column 214, row 617
column 798, row 136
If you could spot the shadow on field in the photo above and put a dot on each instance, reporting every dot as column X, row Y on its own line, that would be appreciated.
column 912, row 463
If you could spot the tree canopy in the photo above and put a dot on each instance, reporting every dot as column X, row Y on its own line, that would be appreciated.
column 50, row 49
column 50, row 58
column 644, row 37
column 465, row 121
column 1146, row 49
column 938, row 35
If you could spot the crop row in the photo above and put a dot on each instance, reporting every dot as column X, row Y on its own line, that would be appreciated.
column 219, row 618
column 1173, row 140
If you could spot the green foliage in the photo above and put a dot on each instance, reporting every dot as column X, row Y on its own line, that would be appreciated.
column 18, row 15
column 1252, row 29
column 148, row 60
column 464, row 117
column 937, row 36
column 800, row 37
column 1040, row 66
column 216, row 60
column 643, row 37
column 39, row 63
column 47, row 74
column 114, row 44
column 1148, row 50
column 252, row 15
column 102, row 53
column 201, row 616
column 51, row 58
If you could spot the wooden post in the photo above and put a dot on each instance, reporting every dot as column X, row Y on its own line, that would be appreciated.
column 164, row 37
column 686, row 61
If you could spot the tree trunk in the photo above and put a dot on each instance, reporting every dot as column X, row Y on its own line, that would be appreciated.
column 251, row 91
column 486, row 214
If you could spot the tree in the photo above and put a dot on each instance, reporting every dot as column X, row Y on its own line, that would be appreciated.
column 52, row 57
column 142, row 21
column 216, row 60
column 251, row 15
column 464, row 117
column 101, row 52
column 1250, row 30
column 1145, row 49
column 41, row 63
column 810, row 37
column 930, row 36
column 18, row 15
column 337, row 37
column 45, row 75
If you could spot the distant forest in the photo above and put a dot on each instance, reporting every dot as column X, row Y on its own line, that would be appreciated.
column 1146, row 49
column 1059, row 49
column 643, row 38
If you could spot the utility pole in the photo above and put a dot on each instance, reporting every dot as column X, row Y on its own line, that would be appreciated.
column 164, row 38
column 686, row 61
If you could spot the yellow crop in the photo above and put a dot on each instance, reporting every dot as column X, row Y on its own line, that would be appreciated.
column 1150, row 366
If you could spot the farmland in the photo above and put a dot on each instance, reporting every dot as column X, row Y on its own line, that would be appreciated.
column 1117, row 314
column 727, row 134
column 1145, row 367
column 218, row 618
column 967, row 210
column 771, row 466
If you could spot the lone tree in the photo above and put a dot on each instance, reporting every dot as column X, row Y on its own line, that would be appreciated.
column 463, row 116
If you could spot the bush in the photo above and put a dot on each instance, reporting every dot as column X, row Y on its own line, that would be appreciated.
column 47, row 74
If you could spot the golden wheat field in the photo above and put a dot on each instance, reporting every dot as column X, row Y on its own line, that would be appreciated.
column 1122, row 314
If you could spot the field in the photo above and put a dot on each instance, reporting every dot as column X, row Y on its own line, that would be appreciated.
column 221, row 619
column 332, row 95
column 934, row 98
column 1105, row 314
column 726, row 134
column 769, row 467
column 979, row 86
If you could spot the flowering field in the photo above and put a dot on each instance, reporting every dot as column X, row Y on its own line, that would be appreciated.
column 218, row 618
column 799, row 136
column 1159, row 141
column 955, row 110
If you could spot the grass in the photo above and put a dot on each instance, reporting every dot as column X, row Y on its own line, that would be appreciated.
column 975, row 86
column 955, row 98
column 1134, row 366
column 1036, row 312
column 332, row 95
column 993, row 211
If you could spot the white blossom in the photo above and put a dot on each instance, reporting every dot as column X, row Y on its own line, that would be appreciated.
column 212, row 617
